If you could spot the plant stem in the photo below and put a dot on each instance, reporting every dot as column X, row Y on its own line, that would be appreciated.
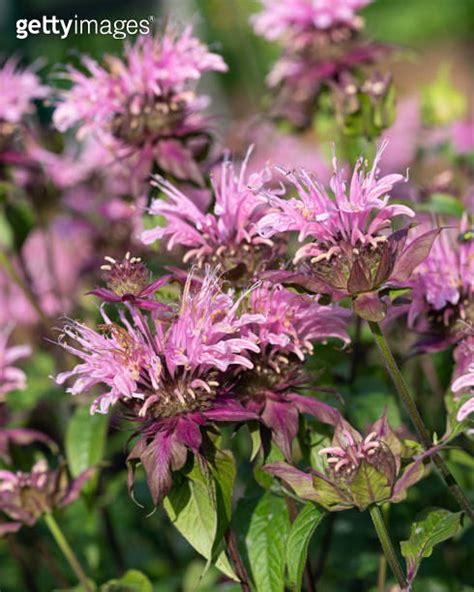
column 417, row 420
column 67, row 551
column 387, row 545
column 233, row 551
column 382, row 573
column 32, row 299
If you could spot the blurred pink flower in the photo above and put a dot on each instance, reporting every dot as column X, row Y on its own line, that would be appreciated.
column 463, row 379
column 11, row 378
column 51, row 264
column 19, row 87
column 25, row 497
column 443, row 287
column 280, row 19
column 145, row 104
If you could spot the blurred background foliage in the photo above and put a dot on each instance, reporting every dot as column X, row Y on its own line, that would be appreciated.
column 119, row 535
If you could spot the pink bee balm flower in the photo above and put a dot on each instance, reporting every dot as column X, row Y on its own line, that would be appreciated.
column 281, row 19
column 323, row 47
column 11, row 378
column 172, row 376
column 443, row 288
column 145, row 103
column 129, row 281
column 351, row 251
column 227, row 237
column 19, row 87
column 463, row 383
column 270, row 389
column 359, row 471
column 25, row 497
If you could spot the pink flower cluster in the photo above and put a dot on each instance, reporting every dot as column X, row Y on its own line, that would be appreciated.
column 463, row 383
column 229, row 236
column 145, row 105
column 283, row 20
column 11, row 377
column 443, row 287
column 19, row 87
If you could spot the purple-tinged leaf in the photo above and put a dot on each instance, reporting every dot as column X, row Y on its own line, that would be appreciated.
column 413, row 255
column 359, row 278
column 370, row 307
column 300, row 482
column 282, row 418
column 321, row 411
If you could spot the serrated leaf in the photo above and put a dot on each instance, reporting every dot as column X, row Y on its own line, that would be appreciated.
column 453, row 426
column 132, row 581
column 85, row 442
column 433, row 527
column 300, row 535
column 192, row 506
column 263, row 528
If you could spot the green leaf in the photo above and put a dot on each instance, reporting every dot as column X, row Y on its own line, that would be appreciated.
column 132, row 581
column 224, row 472
column 254, row 430
column 193, row 507
column 433, row 527
column 85, row 442
column 443, row 204
column 263, row 528
column 369, row 485
column 300, row 535
column 453, row 426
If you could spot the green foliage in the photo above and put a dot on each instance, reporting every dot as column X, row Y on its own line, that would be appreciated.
column 198, row 505
column 262, row 526
column 85, row 442
column 131, row 581
column 299, row 537
column 433, row 527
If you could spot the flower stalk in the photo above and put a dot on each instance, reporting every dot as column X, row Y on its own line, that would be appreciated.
column 422, row 431
column 387, row 545
column 67, row 551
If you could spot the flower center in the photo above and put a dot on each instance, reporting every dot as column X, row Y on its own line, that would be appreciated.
column 128, row 276
column 147, row 119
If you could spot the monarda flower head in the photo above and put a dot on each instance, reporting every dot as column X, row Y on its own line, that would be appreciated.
column 443, row 289
column 146, row 102
column 26, row 496
column 172, row 376
column 358, row 472
column 229, row 236
column 19, row 88
column 463, row 383
column 322, row 50
column 271, row 388
column 11, row 377
column 128, row 280
column 281, row 20
column 353, row 251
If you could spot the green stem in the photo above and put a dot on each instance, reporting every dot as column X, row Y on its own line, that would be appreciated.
column 417, row 420
column 387, row 545
column 67, row 551
column 11, row 271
